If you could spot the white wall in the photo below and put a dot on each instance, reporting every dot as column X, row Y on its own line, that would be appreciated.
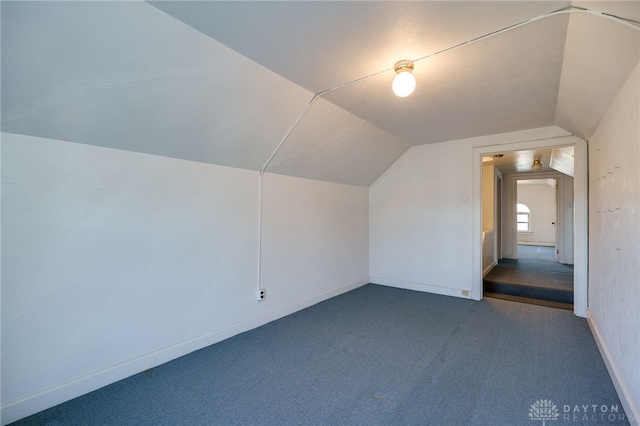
column 488, row 196
column 565, row 246
column 614, row 241
column 572, row 223
column 541, row 200
column 426, row 208
column 114, row 261
column 420, row 226
column 315, row 239
column 489, row 217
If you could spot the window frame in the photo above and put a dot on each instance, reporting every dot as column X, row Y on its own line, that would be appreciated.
column 527, row 222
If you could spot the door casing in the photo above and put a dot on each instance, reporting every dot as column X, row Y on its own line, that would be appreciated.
column 580, row 212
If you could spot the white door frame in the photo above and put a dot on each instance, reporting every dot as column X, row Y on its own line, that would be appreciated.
column 580, row 211
column 512, row 197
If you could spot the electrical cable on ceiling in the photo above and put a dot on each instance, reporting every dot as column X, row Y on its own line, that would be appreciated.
column 568, row 10
column 571, row 9
column 262, row 170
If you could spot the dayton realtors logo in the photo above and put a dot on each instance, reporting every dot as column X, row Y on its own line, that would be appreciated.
column 545, row 410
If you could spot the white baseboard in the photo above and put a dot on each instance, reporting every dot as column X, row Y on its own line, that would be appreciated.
column 630, row 408
column 489, row 268
column 536, row 243
column 34, row 403
column 424, row 287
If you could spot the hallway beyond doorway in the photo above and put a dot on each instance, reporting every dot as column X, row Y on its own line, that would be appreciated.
column 539, row 253
column 535, row 277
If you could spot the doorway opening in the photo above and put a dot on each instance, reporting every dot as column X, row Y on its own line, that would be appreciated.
column 562, row 242
column 538, row 273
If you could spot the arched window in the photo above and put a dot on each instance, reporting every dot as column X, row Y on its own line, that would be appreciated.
column 523, row 218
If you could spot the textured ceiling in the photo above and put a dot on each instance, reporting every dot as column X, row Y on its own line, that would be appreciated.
column 599, row 57
column 551, row 160
column 125, row 75
column 319, row 45
column 226, row 82
column 502, row 84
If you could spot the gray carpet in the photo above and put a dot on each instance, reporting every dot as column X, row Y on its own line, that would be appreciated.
column 535, row 274
column 535, row 266
column 373, row 356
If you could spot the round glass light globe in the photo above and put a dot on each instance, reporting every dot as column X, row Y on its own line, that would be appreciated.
column 404, row 84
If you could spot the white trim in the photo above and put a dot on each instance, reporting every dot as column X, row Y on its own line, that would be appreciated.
column 631, row 410
column 489, row 268
column 418, row 286
column 514, row 178
column 34, row 403
column 536, row 243
column 581, row 229
column 580, row 211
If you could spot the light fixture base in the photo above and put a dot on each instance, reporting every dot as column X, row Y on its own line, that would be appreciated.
column 404, row 82
column 536, row 165
column 403, row 66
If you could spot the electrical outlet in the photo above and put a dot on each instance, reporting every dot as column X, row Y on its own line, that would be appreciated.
column 465, row 292
column 261, row 294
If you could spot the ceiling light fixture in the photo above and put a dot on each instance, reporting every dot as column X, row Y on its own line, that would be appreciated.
column 404, row 83
column 536, row 164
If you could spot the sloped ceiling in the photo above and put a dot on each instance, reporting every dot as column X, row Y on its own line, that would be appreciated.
column 226, row 82
column 599, row 57
column 125, row 75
